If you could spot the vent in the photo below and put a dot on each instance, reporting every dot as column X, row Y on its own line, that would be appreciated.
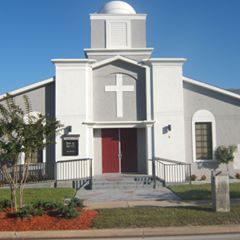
column 118, row 35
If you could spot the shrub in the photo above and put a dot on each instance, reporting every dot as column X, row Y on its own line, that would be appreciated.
column 24, row 212
column 193, row 177
column 5, row 204
column 225, row 154
column 203, row 178
column 29, row 211
column 76, row 202
column 37, row 212
column 67, row 212
column 237, row 175
column 45, row 205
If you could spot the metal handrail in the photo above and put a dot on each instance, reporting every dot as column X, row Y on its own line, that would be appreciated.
column 171, row 161
column 48, row 171
column 74, row 160
column 170, row 171
column 74, row 169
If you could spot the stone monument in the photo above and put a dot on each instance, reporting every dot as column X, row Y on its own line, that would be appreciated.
column 220, row 191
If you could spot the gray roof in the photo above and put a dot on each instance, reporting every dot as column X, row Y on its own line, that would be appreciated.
column 237, row 91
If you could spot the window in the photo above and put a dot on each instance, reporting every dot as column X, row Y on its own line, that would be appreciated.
column 203, row 135
column 203, row 131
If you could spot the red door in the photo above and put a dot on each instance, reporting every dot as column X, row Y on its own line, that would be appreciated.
column 110, row 149
column 128, row 138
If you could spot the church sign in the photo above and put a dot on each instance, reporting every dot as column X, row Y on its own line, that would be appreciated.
column 70, row 145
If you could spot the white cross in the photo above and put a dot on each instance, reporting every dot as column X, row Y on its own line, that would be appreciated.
column 119, row 88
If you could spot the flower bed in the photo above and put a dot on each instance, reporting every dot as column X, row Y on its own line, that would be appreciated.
column 46, row 222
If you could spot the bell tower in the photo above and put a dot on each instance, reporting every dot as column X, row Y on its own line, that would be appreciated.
column 118, row 30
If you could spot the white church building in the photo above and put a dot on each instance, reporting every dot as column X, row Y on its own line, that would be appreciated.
column 123, row 109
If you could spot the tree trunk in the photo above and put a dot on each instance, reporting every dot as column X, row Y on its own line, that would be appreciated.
column 21, row 197
column 14, row 204
column 11, row 179
column 22, row 184
column 24, row 179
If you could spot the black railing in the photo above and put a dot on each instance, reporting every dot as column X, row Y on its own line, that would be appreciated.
column 74, row 169
column 171, row 171
column 79, row 169
column 36, row 172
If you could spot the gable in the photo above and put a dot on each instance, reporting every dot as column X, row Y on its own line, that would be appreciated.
column 41, row 97
column 229, row 93
column 114, row 59
column 198, row 97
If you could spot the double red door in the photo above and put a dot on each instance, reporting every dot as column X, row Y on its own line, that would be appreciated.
column 119, row 150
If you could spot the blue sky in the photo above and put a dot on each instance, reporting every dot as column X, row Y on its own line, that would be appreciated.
column 206, row 32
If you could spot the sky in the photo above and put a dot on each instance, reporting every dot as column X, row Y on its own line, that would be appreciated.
column 206, row 32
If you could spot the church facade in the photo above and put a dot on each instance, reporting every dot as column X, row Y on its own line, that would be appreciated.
column 121, row 108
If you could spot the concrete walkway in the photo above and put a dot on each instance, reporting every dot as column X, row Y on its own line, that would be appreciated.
column 118, row 198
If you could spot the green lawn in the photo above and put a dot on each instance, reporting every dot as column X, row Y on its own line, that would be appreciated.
column 160, row 217
column 201, row 192
column 47, row 194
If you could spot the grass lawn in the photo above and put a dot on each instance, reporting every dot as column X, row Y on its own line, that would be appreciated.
column 160, row 217
column 47, row 194
column 201, row 192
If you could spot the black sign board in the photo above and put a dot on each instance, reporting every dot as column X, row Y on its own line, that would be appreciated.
column 69, row 146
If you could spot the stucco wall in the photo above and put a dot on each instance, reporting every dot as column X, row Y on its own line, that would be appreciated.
column 36, row 97
column 134, row 56
column 98, row 33
column 141, row 149
column 42, row 100
column 73, row 105
column 168, row 110
column 105, row 103
column 226, row 111
column 97, row 161
column 138, row 33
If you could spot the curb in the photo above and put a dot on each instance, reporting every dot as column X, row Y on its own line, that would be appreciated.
column 117, row 233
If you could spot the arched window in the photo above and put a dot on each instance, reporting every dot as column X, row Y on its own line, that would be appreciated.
column 203, row 135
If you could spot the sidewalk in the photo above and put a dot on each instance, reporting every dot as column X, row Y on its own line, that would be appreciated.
column 116, row 233
column 128, row 204
column 159, row 203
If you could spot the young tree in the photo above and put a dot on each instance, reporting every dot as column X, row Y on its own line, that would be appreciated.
column 224, row 154
column 22, row 133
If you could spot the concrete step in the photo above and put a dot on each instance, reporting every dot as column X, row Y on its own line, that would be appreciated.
column 123, row 182
column 120, row 186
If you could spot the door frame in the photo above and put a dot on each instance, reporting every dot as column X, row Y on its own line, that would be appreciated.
column 119, row 151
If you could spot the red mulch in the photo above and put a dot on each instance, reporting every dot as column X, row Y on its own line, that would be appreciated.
column 46, row 222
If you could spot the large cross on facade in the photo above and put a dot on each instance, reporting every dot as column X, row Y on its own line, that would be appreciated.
column 119, row 88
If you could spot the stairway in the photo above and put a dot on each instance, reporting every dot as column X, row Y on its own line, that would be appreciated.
column 123, row 181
